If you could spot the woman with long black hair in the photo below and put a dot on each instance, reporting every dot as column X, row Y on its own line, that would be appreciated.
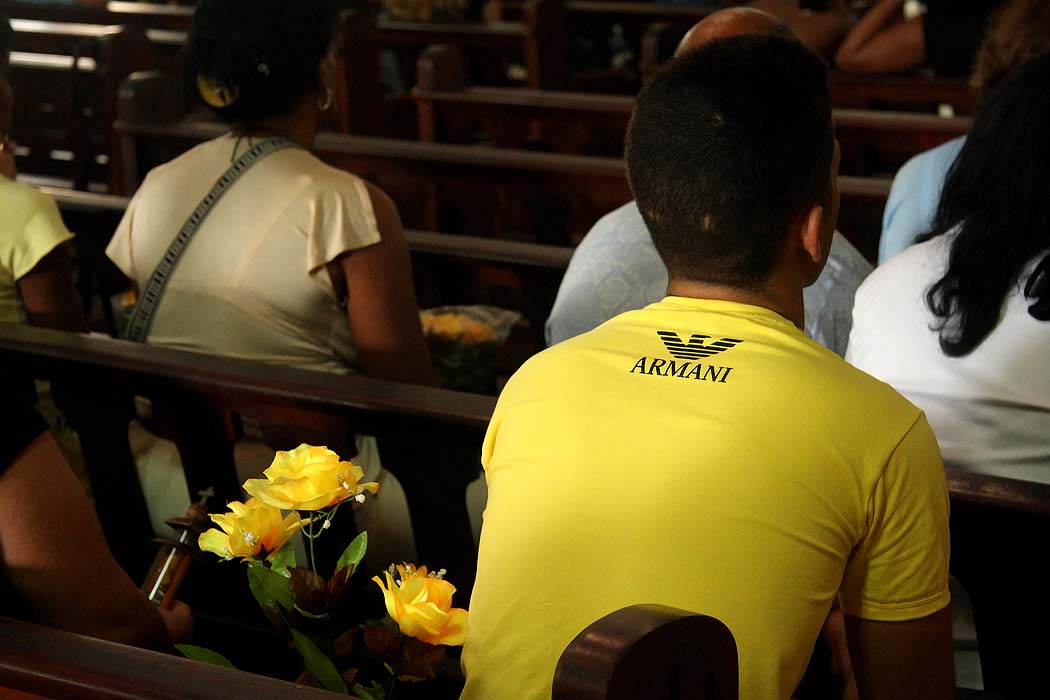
column 960, row 324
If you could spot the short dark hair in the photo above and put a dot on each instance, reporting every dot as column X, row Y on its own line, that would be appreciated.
column 727, row 146
column 267, row 51
column 7, row 37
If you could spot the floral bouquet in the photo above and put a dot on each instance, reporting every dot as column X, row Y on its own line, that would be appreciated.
column 300, row 495
column 463, row 342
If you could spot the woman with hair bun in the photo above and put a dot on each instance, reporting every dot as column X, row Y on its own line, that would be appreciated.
column 960, row 324
column 297, row 263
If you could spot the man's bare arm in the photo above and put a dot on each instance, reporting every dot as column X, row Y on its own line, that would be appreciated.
column 909, row 660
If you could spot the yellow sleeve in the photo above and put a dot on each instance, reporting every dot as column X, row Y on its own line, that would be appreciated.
column 42, row 232
column 899, row 571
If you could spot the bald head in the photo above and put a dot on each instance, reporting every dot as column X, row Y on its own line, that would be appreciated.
column 735, row 21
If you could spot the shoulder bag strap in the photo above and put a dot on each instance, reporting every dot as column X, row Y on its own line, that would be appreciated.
column 141, row 318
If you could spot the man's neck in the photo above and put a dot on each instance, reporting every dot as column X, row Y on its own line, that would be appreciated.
column 776, row 294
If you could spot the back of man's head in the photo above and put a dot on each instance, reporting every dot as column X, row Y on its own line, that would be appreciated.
column 728, row 146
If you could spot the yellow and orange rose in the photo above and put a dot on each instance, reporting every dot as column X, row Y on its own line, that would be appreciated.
column 249, row 530
column 421, row 604
column 457, row 328
column 309, row 478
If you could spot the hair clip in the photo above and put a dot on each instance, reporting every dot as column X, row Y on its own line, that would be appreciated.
column 216, row 94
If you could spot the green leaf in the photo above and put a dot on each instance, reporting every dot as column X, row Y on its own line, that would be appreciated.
column 208, row 656
column 354, row 553
column 270, row 588
column 319, row 665
column 374, row 691
column 283, row 559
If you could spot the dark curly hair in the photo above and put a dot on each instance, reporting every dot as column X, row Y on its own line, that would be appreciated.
column 266, row 52
column 997, row 197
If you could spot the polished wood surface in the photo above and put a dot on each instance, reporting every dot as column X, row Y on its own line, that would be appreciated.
column 649, row 651
column 55, row 664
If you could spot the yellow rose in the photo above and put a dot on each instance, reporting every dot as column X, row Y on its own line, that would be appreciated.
column 309, row 478
column 421, row 604
column 248, row 529
column 457, row 328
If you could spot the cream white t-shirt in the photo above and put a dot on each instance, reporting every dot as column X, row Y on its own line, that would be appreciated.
column 989, row 409
column 252, row 283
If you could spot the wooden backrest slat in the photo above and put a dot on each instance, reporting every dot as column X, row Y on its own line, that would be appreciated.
column 59, row 29
column 58, row 664
column 240, row 385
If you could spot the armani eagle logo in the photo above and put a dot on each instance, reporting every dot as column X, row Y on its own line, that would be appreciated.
column 695, row 349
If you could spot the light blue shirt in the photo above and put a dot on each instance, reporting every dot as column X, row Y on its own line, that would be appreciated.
column 616, row 268
column 914, row 197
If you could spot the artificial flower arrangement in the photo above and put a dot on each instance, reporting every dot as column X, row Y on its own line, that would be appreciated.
column 463, row 342
column 301, row 493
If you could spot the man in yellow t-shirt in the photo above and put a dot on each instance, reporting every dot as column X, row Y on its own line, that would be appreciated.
column 702, row 452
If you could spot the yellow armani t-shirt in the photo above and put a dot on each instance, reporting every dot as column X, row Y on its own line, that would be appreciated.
column 708, row 456
column 30, row 228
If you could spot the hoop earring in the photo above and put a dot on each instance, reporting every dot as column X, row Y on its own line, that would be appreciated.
column 326, row 103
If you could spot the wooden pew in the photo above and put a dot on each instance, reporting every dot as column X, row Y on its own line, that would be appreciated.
column 650, row 651
column 146, row 15
column 50, row 663
column 65, row 78
column 541, row 197
column 999, row 526
column 430, row 438
column 450, row 110
column 164, row 25
column 903, row 92
column 539, row 40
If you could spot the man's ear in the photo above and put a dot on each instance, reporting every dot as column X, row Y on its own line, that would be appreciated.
column 810, row 230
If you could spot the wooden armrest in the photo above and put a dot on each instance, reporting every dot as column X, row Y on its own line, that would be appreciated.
column 59, row 664
column 636, row 651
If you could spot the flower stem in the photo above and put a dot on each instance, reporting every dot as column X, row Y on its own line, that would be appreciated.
column 310, row 538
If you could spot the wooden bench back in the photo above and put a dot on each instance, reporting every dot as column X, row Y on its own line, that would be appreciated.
column 650, row 651
column 999, row 526
column 430, row 438
column 65, row 78
column 450, row 110
column 54, row 664
column 543, row 197
column 901, row 92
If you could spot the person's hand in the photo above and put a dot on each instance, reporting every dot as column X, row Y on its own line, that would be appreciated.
column 179, row 621
column 7, row 158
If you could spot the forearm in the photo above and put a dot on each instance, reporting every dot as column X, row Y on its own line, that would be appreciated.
column 57, row 560
column 908, row 660
column 884, row 15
